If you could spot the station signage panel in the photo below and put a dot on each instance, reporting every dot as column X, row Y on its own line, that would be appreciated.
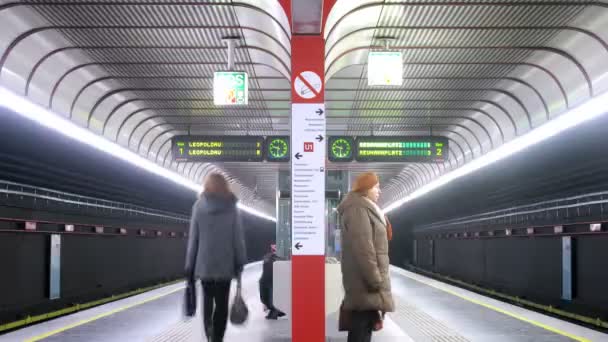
column 384, row 68
column 429, row 149
column 277, row 149
column 341, row 149
column 390, row 149
column 190, row 148
column 308, row 124
column 230, row 88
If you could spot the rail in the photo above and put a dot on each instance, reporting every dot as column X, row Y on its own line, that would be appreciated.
column 567, row 203
column 11, row 188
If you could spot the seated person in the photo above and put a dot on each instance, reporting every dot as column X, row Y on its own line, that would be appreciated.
column 266, row 284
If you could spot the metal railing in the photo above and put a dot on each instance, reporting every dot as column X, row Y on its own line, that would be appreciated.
column 574, row 203
column 38, row 193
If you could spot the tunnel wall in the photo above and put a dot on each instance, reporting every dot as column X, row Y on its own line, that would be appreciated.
column 401, row 246
column 93, row 266
column 34, row 155
column 572, row 164
column 591, row 274
column 526, row 267
column 519, row 266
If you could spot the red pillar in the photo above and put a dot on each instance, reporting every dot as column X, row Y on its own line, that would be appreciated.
column 308, row 221
column 308, row 233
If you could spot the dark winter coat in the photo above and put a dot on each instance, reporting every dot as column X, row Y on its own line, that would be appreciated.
column 216, row 242
column 365, row 261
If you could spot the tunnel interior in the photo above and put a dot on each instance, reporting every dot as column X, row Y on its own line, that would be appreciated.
column 478, row 79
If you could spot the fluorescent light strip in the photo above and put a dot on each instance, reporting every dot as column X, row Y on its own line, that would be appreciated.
column 589, row 110
column 49, row 119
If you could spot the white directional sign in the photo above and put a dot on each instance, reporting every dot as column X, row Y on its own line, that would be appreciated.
column 308, row 179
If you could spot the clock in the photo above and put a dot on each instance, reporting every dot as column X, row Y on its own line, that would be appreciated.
column 277, row 149
column 341, row 149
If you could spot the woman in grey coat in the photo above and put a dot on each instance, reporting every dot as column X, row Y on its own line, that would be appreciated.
column 365, row 261
column 216, row 251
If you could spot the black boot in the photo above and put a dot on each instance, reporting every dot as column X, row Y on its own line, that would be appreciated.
column 274, row 314
column 209, row 333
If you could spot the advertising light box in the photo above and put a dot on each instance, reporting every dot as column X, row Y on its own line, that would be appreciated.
column 384, row 68
column 230, row 88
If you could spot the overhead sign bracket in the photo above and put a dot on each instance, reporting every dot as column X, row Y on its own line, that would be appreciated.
column 386, row 40
column 231, row 43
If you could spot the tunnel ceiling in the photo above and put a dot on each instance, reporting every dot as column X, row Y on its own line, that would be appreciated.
column 138, row 72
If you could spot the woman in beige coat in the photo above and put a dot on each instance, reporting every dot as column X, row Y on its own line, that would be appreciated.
column 365, row 261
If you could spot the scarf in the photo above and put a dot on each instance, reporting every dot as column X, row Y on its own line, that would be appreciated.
column 385, row 221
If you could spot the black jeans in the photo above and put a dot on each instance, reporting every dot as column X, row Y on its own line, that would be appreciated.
column 216, row 296
column 266, row 294
column 362, row 325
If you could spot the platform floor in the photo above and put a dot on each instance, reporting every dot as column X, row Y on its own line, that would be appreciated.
column 427, row 310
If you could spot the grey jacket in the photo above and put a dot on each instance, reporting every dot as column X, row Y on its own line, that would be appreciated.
column 365, row 262
column 216, row 242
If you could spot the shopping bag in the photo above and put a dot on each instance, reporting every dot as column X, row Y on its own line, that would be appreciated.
column 379, row 322
column 344, row 319
column 239, row 311
column 190, row 298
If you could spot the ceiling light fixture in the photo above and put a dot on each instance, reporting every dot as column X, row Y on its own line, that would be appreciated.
column 591, row 109
column 34, row 112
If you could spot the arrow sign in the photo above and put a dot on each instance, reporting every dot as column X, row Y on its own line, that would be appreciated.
column 308, row 171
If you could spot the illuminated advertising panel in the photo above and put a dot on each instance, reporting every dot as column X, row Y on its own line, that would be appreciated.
column 384, row 68
column 230, row 88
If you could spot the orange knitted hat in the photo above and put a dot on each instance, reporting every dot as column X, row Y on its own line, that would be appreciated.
column 365, row 181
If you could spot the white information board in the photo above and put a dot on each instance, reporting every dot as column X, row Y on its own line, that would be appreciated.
column 55, row 267
column 308, row 179
column 384, row 68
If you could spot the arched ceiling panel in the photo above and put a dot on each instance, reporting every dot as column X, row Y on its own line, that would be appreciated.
column 477, row 72
column 120, row 68
column 488, row 70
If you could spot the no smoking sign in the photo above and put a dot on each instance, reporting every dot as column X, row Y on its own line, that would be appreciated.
column 308, row 85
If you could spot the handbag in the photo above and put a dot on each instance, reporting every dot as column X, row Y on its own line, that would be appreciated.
column 190, row 298
column 239, row 311
column 344, row 319
column 379, row 323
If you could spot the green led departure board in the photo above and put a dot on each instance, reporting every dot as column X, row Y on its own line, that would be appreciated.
column 217, row 148
column 277, row 149
column 341, row 149
column 401, row 149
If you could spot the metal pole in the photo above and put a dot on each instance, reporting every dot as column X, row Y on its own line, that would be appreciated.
column 231, row 46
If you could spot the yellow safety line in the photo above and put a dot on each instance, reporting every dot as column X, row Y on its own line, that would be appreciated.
column 79, row 307
column 505, row 312
column 584, row 319
column 109, row 313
